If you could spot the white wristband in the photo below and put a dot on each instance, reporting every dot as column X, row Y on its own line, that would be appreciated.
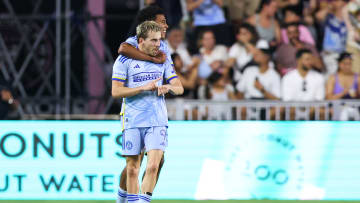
column 11, row 101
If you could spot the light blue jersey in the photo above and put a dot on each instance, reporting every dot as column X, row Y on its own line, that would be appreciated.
column 208, row 13
column 163, row 46
column 145, row 109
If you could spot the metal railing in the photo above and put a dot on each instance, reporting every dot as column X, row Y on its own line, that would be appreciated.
column 180, row 109
column 185, row 109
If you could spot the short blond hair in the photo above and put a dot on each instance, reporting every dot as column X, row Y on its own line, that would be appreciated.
column 144, row 28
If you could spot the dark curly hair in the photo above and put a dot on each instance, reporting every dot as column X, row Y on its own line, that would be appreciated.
column 148, row 13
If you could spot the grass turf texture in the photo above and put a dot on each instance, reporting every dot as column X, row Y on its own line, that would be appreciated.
column 176, row 201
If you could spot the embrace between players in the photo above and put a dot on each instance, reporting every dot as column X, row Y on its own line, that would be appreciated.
column 138, row 74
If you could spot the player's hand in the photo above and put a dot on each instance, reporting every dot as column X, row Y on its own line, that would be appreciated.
column 163, row 89
column 159, row 58
column 151, row 86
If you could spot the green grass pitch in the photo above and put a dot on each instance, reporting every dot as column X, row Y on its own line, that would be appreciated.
column 175, row 201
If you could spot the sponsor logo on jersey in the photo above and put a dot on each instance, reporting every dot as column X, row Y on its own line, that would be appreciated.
column 144, row 76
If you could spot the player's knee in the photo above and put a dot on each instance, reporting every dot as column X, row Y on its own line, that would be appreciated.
column 132, row 171
column 152, row 168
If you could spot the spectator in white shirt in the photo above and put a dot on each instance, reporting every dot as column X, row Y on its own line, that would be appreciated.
column 210, row 51
column 303, row 83
column 175, row 39
column 213, row 57
column 241, row 53
column 260, row 81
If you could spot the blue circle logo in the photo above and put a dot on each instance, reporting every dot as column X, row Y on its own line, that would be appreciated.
column 129, row 145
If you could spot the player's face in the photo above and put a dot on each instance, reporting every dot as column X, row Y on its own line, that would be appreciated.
column 161, row 20
column 151, row 44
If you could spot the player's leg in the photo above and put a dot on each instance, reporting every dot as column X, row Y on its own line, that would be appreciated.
column 155, row 144
column 152, row 168
column 132, row 173
column 122, row 192
column 158, row 173
column 123, row 179
column 132, row 145
column 160, row 167
column 123, row 174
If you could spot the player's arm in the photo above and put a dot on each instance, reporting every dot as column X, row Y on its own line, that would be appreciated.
column 128, row 50
column 119, row 89
column 174, row 87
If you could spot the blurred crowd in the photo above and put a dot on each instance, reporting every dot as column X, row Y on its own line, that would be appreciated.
column 290, row 50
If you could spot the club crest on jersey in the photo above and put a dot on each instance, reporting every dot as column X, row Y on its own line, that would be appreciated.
column 129, row 145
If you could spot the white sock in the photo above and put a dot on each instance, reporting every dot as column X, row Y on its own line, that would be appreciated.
column 121, row 196
column 132, row 198
column 144, row 198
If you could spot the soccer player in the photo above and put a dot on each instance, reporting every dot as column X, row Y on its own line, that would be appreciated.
column 129, row 49
column 144, row 112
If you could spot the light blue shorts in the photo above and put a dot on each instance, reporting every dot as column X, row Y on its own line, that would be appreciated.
column 136, row 139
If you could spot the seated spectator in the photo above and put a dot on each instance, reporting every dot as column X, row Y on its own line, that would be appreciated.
column 308, row 18
column 303, row 83
column 175, row 39
column 219, row 89
column 260, row 81
column 187, row 76
column 334, row 41
column 345, row 83
column 241, row 10
column 265, row 22
column 285, row 55
column 208, row 15
column 212, row 54
column 7, row 101
column 292, row 15
column 351, row 15
column 240, row 53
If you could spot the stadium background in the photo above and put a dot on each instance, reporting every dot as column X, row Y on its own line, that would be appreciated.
column 257, row 161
